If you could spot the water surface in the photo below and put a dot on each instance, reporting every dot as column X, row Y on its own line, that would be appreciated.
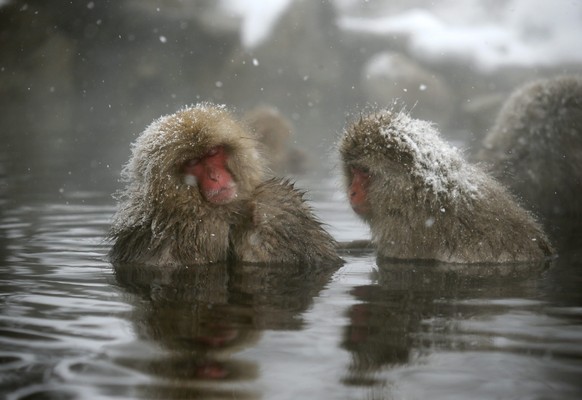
column 73, row 328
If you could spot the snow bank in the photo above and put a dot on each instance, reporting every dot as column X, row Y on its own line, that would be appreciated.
column 525, row 33
column 258, row 17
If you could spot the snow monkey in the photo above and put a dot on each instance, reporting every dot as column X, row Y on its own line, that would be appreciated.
column 275, row 132
column 535, row 148
column 422, row 200
column 196, row 194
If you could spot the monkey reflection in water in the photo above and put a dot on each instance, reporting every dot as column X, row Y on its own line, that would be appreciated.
column 411, row 310
column 196, row 194
column 204, row 315
column 422, row 200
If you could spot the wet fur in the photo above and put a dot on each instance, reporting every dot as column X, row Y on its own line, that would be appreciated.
column 535, row 149
column 427, row 202
column 163, row 220
column 282, row 228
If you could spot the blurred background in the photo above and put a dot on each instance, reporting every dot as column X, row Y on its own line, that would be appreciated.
column 79, row 80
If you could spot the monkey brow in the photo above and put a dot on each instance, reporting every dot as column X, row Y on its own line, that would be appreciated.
column 249, row 138
column 361, row 168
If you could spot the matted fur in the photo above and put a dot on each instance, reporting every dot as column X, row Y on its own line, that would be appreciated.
column 535, row 148
column 427, row 202
column 281, row 227
column 163, row 219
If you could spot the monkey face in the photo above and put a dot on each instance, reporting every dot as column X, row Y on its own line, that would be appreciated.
column 358, row 191
column 199, row 156
column 211, row 175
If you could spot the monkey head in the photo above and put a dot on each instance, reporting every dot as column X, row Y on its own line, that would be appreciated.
column 390, row 159
column 199, row 156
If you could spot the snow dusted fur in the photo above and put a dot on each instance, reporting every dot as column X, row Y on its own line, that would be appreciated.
column 162, row 219
column 535, row 148
column 427, row 202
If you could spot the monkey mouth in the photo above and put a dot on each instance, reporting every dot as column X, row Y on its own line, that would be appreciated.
column 362, row 209
column 223, row 195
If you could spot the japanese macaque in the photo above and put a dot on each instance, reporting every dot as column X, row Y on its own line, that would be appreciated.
column 196, row 194
column 274, row 132
column 422, row 200
column 535, row 148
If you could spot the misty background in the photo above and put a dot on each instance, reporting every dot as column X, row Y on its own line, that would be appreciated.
column 79, row 80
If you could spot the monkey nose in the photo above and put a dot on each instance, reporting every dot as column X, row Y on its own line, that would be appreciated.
column 213, row 175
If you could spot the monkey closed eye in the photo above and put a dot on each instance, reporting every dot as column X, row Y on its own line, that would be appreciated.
column 212, row 176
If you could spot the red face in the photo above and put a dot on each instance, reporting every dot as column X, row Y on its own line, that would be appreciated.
column 358, row 191
column 212, row 176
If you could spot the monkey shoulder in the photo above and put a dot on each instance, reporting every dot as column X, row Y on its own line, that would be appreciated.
column 283, row 228
column 278, row 195
column 129, row 244
column 278, row 205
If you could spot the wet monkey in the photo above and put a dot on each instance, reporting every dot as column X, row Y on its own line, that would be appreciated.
column 185, row 180
column 535, row 149
column 422, row 200
column 196, row 194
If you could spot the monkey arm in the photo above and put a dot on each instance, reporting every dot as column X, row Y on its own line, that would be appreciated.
column 282, row 228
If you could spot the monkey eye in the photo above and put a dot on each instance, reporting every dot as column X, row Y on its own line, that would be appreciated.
column 212, row 152
column 195, row 161
column 360, row 170
column 191, row 163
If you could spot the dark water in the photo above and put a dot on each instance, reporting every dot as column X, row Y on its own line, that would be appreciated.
column 71, row 328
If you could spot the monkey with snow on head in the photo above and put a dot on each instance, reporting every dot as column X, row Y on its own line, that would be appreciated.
column 196, row 194
column 422, row 200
